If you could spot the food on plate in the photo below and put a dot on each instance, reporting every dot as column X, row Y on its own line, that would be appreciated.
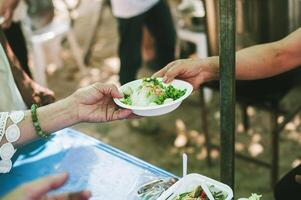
column 153, row 189
column 199, row 194
column 152, row 91
column 252, row 197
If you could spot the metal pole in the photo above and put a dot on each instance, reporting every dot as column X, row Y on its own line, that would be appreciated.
column 227, row 85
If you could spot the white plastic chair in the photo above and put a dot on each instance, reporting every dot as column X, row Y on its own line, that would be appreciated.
column 199, row 38
column 53, row 34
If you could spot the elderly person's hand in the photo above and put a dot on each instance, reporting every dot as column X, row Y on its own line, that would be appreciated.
column 7, row 8
column 194, row 71
column 95, row 103
column 37, row 190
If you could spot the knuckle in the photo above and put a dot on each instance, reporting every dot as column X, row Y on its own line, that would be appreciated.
column 98, row 84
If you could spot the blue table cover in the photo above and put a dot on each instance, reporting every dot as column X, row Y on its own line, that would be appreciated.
column 107, row 172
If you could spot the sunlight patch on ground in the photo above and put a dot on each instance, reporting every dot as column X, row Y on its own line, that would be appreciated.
column 240, row 128
column 251, row 111
column 202, row 154
column 182, row 138
column 255, row 149
column 296, row 163
column 239, row 147
column 290, row 126
column 181, row 141
column 280, row 119
column 256, row 138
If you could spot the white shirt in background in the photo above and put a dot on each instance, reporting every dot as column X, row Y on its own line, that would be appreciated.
column 10, row 97
column 131, row 8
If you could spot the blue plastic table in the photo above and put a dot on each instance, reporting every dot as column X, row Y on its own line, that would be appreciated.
column 106, row 171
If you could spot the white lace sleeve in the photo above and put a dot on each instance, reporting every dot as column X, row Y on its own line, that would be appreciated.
column 3, row 120
column 12, row 134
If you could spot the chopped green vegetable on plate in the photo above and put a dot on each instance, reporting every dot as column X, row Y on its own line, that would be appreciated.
column 152, row 91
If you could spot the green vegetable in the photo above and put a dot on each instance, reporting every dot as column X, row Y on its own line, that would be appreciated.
column 157, row 91
column 255, row 197
column 198, row 194
column 168, row 91
column 126, row 100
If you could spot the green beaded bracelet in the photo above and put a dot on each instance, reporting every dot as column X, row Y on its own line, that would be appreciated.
column 36, row 122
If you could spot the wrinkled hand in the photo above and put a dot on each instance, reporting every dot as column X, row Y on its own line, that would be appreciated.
column 194, row 71
column 95, row 104
column 7, row 8
column 37, row 190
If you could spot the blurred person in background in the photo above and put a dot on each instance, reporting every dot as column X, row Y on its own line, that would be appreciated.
column 132, row 16
column 12, row 12
column 256, row 62
column 19, row 89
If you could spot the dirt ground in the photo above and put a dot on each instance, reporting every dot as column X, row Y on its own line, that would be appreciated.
column 162, row 140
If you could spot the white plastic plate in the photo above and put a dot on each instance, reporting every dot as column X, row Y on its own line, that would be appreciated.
column 189, row 182
column 156, row 110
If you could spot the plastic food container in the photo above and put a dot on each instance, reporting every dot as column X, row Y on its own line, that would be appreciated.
column 156, row 110
column 189, row 182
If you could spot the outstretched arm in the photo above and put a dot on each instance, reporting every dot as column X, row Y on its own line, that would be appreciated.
column 91, row 104
column 266, row 60
column 256, row 62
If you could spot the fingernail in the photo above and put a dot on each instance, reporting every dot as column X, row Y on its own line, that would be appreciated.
column 165, row 79
column 121, row 94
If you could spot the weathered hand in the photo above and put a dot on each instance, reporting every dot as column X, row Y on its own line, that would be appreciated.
column 194, row 71
column 37, row 190
column 95, row 103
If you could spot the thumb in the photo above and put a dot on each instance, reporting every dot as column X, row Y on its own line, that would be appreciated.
column 42, row 186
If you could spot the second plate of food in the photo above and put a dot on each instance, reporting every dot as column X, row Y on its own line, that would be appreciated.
column 153, row 97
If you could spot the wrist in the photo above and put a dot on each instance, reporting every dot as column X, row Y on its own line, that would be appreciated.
column 71, row 109
column 58, row 115
column 212, row 68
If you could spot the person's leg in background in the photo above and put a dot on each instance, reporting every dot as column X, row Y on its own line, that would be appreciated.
column 148, row 46
column 288, row 187
column 16, row 40
column 160, row 24
column 130, row 38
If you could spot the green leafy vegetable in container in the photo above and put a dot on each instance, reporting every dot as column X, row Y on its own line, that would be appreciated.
column 252, row 197
column 199, row 194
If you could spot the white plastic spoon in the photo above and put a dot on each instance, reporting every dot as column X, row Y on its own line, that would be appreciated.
column 184, row 160
column 207, row 191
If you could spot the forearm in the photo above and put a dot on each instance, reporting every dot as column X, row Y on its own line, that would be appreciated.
column 261, row 61
column 265, row 60
column 52, row 118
